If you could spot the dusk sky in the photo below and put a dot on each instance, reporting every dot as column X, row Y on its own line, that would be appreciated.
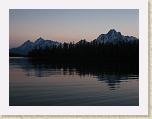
column 68, row 25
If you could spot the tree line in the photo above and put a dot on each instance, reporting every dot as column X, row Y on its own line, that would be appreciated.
column 92, row 50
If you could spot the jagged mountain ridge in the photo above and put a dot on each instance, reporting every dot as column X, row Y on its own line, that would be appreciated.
column 29, row 46
column 114, row 37
column 111, row 37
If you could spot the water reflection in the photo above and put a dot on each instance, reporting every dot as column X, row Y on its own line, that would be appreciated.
column 112, row 72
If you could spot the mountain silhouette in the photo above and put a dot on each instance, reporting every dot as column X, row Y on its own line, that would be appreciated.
column 112, row 37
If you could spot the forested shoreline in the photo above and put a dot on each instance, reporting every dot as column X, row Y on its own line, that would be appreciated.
column 119, row 51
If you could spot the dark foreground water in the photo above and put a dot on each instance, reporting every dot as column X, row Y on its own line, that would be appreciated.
column 73, row 83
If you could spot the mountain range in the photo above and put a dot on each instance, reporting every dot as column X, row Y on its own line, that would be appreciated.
column 111, row 37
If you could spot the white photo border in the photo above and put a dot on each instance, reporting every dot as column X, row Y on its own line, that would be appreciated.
column 142, row 109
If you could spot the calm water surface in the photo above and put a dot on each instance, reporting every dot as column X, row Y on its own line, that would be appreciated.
column 73, row 83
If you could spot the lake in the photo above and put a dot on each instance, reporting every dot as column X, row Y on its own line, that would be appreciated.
column 73, row 82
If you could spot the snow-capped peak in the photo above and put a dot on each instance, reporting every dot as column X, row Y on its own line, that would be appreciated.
column 38, row 41
column 114, row 37
column 26, row 43
column 112, row 31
